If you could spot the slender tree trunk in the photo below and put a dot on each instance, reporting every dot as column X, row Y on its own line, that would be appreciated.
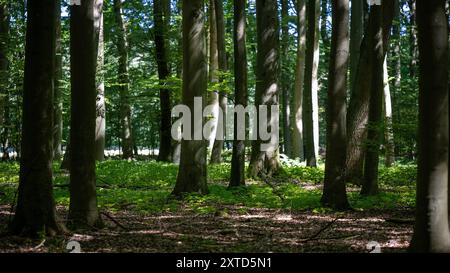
column 356, row 36
column 192, row 175
column 4, row 41
column 265, row 162
column 397, row 63
column 388, row 130
column 213, row 96
column 57, row 96
column 241, row 90
column 176, row 145
column 297, row 135
column 285, row 84
column 35, row 213
column 431, row 231
column 216, row 154
column 161, row 27
column 315, row 87
column 310, row 99
column 83, row 211
column 334, row 192
column 100, row 123
column 413, row 39
column 124, row 81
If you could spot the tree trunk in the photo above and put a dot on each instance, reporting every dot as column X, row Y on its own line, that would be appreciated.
column 124, row 81
column 310, row 99
column 241, row 90
column 100, row 123
column 213, row 96
column 413, row 39
column 216, row 154
column 388, row 130
column 4, row 97
column 83, row 210
column 192, row 172
column 161, row 27
column 297, row 135
column 397, row 63
column 356, row 36
column 57, row 95
column 285, row 83
column 334, row 192
column 35, row 213
column 431, row 231
column 265, row 162
column 358, row 110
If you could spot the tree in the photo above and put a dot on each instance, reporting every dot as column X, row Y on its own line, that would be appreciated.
column 100, row 123
column 387, row 109
column 192, row 171
column 356, row 36
column 285, row 85
column 216, row 154
column 124, row 82
column 310, row 99
column 412, row 38
column 161, row 27
column 57, row 96
column 241, row 90
column 431, row 230
column 83, row 211
column 265, row 162
column 4, row 63
column 297, row 135
column 35, row 213
column 334, row 193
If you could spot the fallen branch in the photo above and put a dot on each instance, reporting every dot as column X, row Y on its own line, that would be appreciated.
column 319, row 232
column 114, row 221
column 39, row 245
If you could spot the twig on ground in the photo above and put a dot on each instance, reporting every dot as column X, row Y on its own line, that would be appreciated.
column 114, row 220
column 320, row 231
column 39, row 245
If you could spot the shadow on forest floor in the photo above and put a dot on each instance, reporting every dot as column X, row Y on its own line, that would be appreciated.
column 230, row 230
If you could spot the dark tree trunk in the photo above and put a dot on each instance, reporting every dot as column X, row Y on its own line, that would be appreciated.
column 124, row 81
column 57, row 95
column 356, row 36
column 334, row 192
column 100, row 123
column 161, row 27
column 35, row 212
column 265, row 162
column 216, row 154
column 83, row 211
column 431, row 231
column 192, row 172
column 241, row 91
column 4, row 94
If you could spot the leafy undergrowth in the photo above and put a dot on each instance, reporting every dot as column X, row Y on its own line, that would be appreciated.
column 141, row 189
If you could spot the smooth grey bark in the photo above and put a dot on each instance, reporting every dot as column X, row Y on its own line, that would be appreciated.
column 192, row 174
column 35, row 212
column 297, row 133
column 241, row 89
column 83, row 211
column 266, row 163
column 334, row 192
column 100, row 122
column 161, row 19
column 431, row 231
column 124, row 82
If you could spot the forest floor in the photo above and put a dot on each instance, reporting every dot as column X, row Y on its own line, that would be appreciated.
column 280, row 216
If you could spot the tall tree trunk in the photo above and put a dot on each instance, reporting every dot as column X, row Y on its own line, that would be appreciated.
column 310, row 98
column 57, row 95
column 176, row 145
column 413, row 39
column 241, row 90
column 356, row 36
column 83, row 211
column 4, row 62
column 216, row 154
column 358, row 110
column 431, row 231
column 285, row 83
column 124, row 81
column 334, row 193
column 388, row 130
column 265, row 162
column 397, row 56
column 35, row 213
column 213, row 97
column 192, row 175
column 297, row 135
column 161, row 27
column 100, row 123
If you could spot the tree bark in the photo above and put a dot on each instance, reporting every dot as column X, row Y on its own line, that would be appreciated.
column 356, row 36
column 100, row 123
column 310, row 99
column 124, row 82
column 4, row 62
column 297, row 135
column 83, row 211
column 388, row 130
column 241, row 90
column 161, row 28
column 265, row 162
column 216, row 154
column 192, row 175
column 334, row 192
column 431, row 231
column 213, row 96
column 413, row 39
column 35, row 213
